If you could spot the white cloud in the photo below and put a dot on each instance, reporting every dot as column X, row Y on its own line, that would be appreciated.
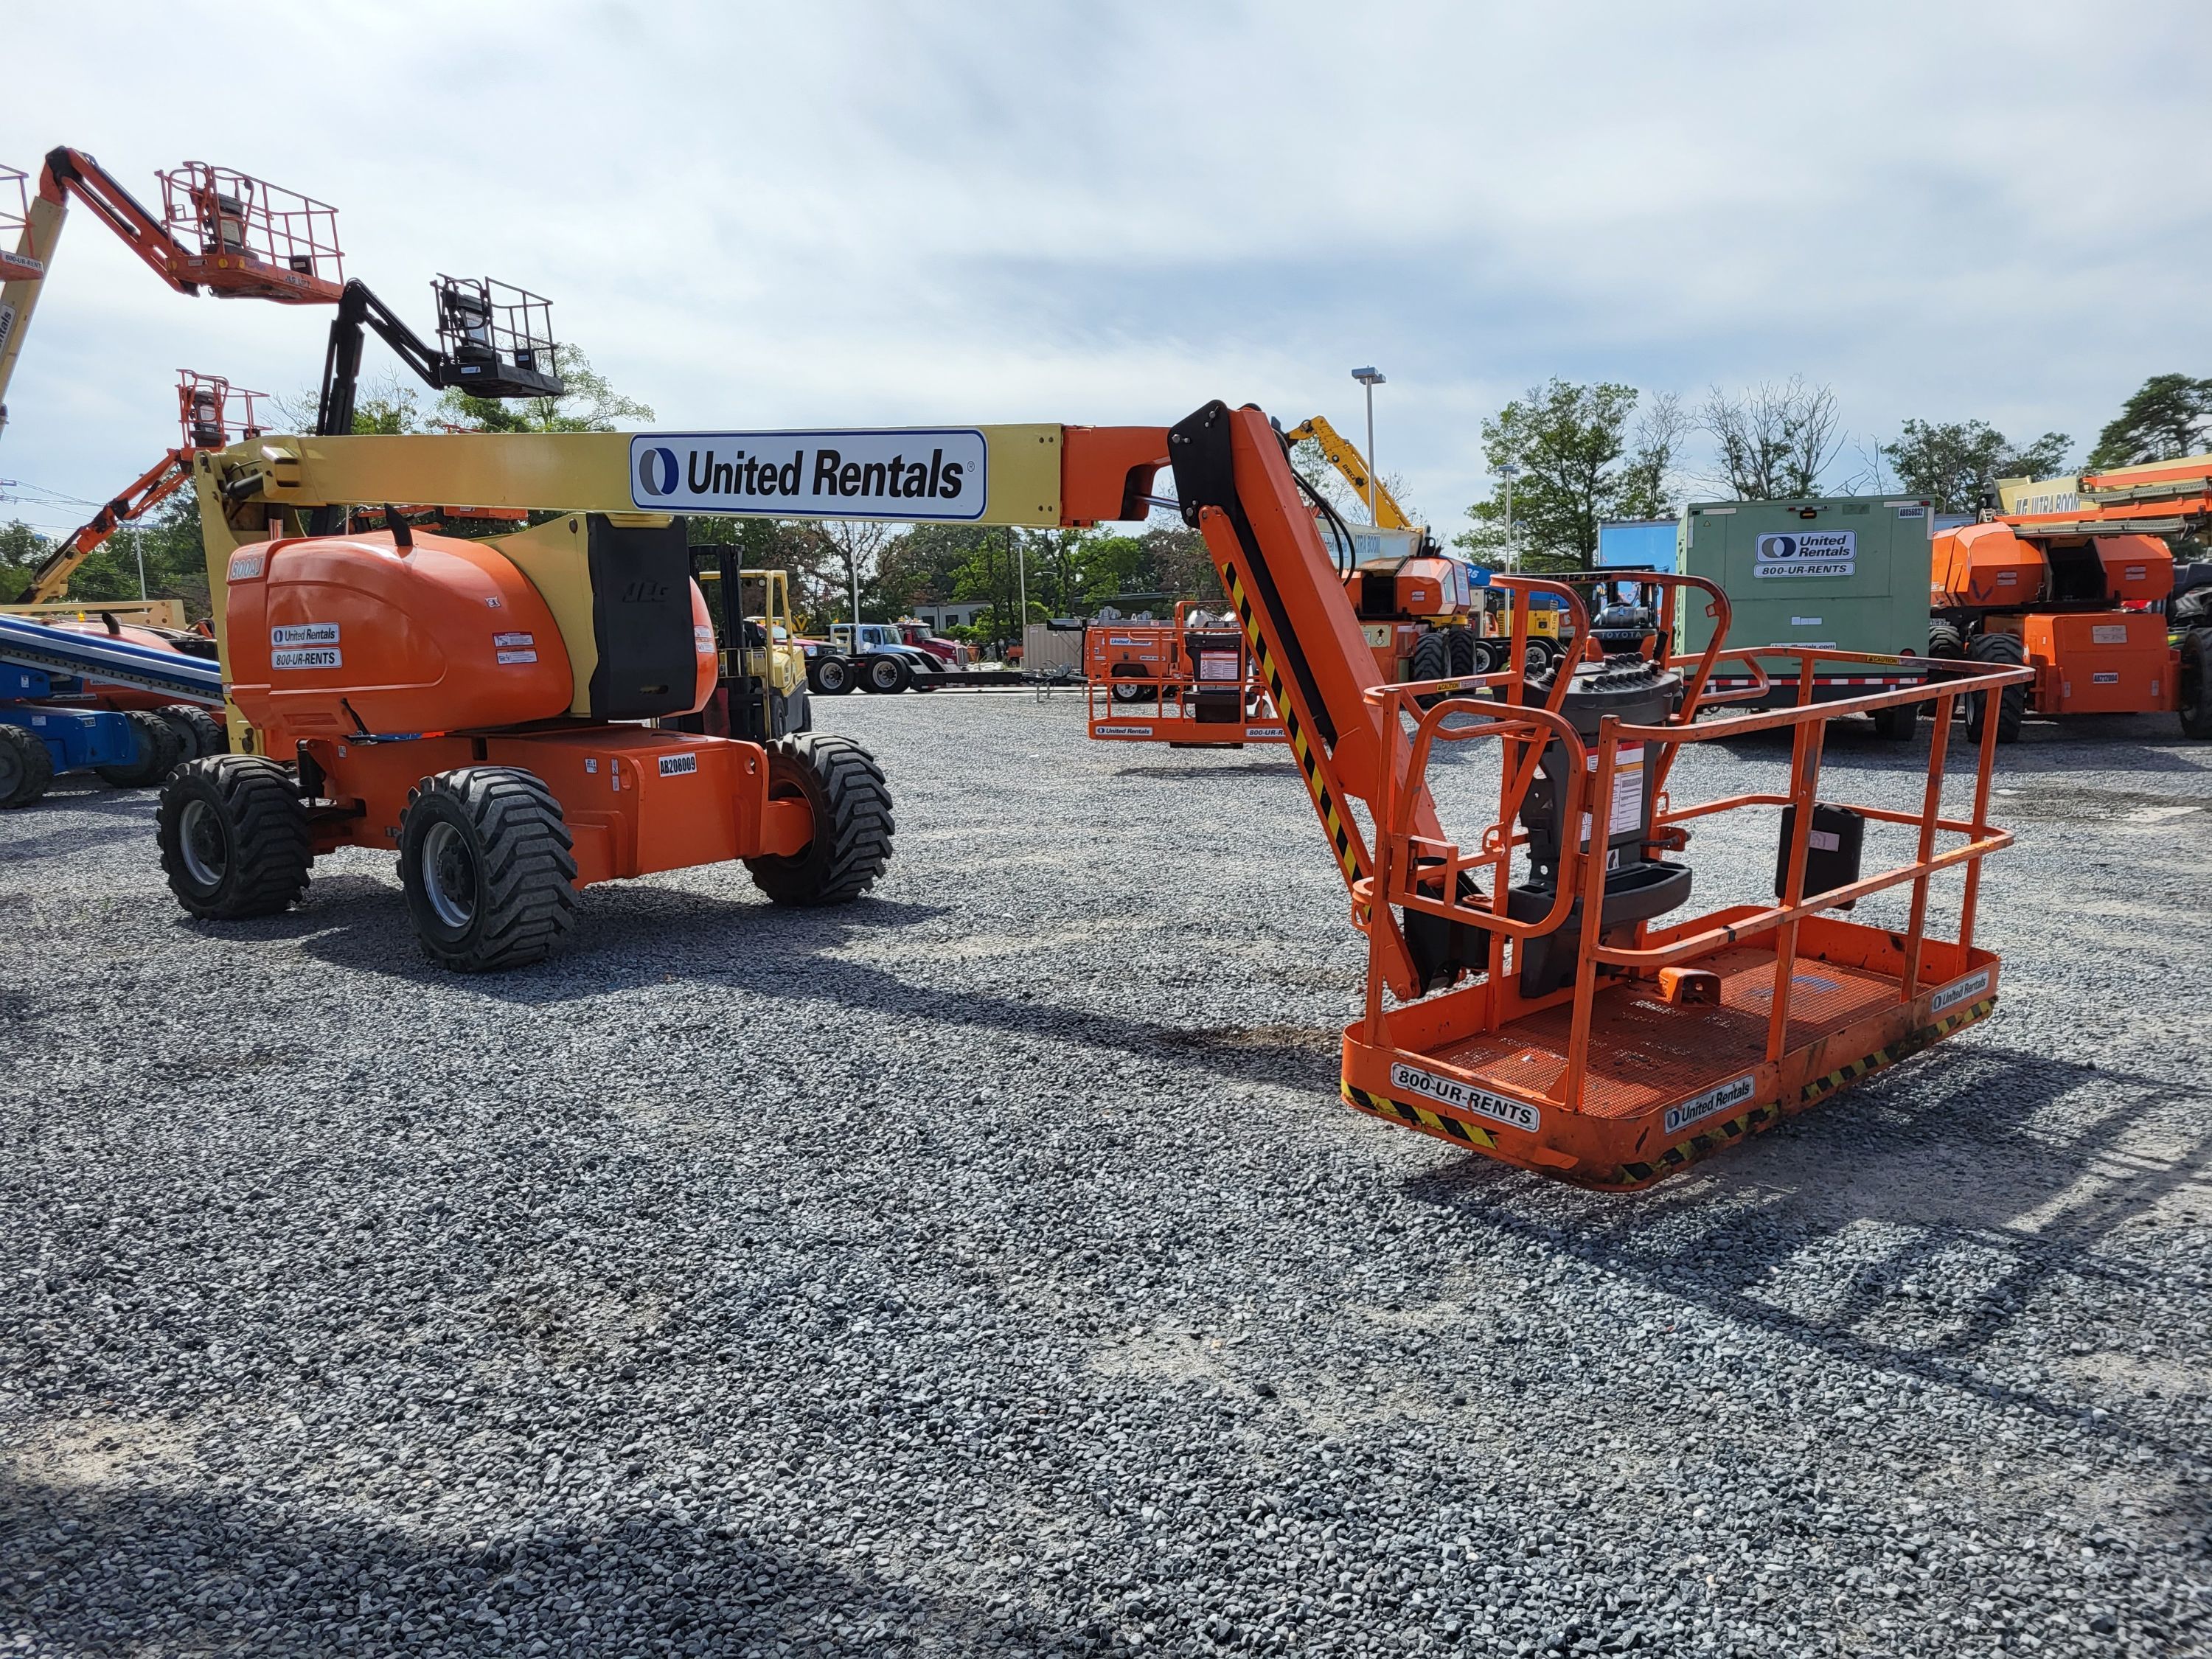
column 866, row 213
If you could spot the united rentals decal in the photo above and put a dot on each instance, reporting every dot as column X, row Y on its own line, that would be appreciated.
column 911, row 474
column 1701, row 1106
column 1958, row 991
column 1806, row 553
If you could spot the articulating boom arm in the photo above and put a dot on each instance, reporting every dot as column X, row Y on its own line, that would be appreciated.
column 1235, row 484
column 477, row 366
column 1351, row 466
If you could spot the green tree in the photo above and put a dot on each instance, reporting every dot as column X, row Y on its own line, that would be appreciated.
column 2169, row 417
column 1573, row 447
column 589, row 405
column 1955, row 463
column 168, row 541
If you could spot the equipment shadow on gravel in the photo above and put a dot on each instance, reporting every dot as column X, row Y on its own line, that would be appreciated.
column 627, row 934
column 1200, row 773
column 1963, row 1168
column 83, row 1567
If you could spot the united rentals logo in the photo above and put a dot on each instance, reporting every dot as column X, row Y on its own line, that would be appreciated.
column 1701, row 1106
column 658, row 472
column 915, row 474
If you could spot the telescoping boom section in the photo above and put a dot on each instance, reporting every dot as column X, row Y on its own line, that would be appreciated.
column 1537, row 990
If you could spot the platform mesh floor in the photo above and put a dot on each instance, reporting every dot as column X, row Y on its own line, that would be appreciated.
column 1643, row 1051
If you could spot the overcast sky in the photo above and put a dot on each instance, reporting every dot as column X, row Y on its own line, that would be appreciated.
column 872, row 214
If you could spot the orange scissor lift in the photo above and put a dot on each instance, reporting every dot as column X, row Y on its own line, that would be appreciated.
column 1192, row 683
column 1553, row 1022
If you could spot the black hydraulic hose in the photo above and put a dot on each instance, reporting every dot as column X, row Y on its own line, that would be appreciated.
column 1342, row 550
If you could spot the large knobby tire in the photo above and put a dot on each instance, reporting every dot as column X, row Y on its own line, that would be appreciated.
column 206, row 733
column 27, row 766
column 232, row 832
column 2196, row 681
column 1464, row 653
column 852, row 827
column 1430, row 659
column 1946, row 642
column 832, row 676
column 2012, row 702
column 1901, row 724
column 886, row 674
column 484, row 860
column 157, row 749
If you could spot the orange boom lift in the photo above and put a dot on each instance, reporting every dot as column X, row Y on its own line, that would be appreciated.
column 1535, row 993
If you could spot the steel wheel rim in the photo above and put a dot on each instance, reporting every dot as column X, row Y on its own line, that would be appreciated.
column 449, row 876
column 205, row 847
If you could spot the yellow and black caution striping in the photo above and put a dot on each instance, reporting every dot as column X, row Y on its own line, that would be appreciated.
column 1904, row 1049
column 1710, row 1141
column 1349, row 854
column 1418, row 1117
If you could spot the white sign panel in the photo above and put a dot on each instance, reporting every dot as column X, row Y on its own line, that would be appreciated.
column 1806, row 553
column 921, row 474
column 304, row 634
column 1501, row 1108
column 7, row 324
column 1700, row 1108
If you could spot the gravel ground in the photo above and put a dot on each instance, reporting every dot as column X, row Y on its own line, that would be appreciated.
column 987, row 1268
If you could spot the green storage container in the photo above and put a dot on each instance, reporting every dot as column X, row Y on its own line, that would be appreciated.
column 1849, row 572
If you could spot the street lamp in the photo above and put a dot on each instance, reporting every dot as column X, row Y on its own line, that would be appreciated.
column 1369, row 377
column 1509, row 471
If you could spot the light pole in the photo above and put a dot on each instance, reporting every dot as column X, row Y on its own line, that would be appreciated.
column 1369, row 377
column 1509, row 471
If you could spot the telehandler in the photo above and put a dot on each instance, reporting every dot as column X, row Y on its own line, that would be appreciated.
column 1524, row 999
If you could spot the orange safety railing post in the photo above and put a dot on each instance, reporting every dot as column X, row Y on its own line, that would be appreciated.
column 1931, row 808
column 1804, row 792
column 1591, row 873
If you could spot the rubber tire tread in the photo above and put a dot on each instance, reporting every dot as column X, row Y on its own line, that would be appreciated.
column 1430, row 659
column 845, row 787
column 2012, row 704
column 1465, row 655
column 902, row 675
column 814, row 679
column 1901, row 724
column 2196, row 698
column 209, row 735
column 270, row 850
column 37, row 771
column 1946, row 642
column 529, row 902
column 160, row 750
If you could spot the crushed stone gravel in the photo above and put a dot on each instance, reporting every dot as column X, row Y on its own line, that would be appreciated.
column 987, row 1268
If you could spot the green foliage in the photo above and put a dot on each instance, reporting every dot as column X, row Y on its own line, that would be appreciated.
column 169, row 541
column 2169, row 417
column 590, row 404
column 1954, row 462
column 1573, row 447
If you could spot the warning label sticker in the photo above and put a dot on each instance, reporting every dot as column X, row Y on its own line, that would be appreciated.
column 2108, row 633
column 1626, row 816
column 518, row 656
column 1806, row 553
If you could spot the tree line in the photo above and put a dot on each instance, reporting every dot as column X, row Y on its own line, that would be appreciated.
column 1565, row 457
column 1583, row 454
